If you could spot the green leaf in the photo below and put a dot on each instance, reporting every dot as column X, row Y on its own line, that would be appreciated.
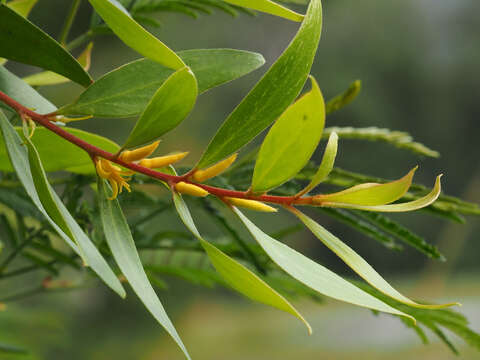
column 127, row 90
column 22, row 7
column 17, row 152
column 326, row 166
column 51, row 78
column 122, row 245
column 24, row 42
column 312, row 274
column 170, row 105
column 20, row 91
column 134, row 35
column 235, row 274
column 273, row 93
column 268, row 7
column 401, row 207
column 60, row 154
column 345, row 98
column 370, row 194
column 357, row 263
column 290, row 142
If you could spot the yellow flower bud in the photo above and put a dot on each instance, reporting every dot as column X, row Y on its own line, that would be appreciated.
column 251, row 204
column 162, row 161
column 190, row 189
column 212, row 171
column 138, row 154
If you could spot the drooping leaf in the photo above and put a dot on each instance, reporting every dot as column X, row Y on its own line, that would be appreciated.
column 122, row 245
column 268, row 7
column 345, row 98
column 59, row 154
column 235, row 274
column 358, row 264
column 290, row 142
column 19, row 157
column 401, row 207
column 23, row 93
column 170, row 105
column 51, row 78
column 326, row 166
column 127, row 90
column 272, row 94
column 371, row 194
column 312, row 274
column 23, row 7
column 24, row 42
column 134, row 35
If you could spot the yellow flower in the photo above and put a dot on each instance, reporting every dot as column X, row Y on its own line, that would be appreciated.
column 115, row 176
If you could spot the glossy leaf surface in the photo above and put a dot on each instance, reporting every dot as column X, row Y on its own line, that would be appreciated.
column 290, row 142
column 126, row 91
column 170, row 105
column 19, row 37
column 122, row 245
column 357, row 263
column 312, row 274
column 134, row 35
column 273, row 93
column 235, row 274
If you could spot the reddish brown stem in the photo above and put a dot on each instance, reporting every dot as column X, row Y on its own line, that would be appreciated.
column 93, row 151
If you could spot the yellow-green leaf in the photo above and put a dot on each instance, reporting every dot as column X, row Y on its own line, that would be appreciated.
column 22, row 7
column 134, row 35
column 358, row 264
column 290, row 142
column 268, row 7
column 370, row 194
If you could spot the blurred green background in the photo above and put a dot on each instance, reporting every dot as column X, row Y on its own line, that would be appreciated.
column 419, row 65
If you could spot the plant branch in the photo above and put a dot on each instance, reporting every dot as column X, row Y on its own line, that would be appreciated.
column 69, row 22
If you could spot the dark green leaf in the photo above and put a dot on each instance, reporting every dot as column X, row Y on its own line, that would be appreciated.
column 24, row 42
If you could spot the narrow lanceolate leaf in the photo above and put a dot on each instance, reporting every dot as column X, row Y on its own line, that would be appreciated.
column 134, row 35
column 357, row 263
column 401, row 207
column 22, row 7
column 126, row 91
column 19, row 157
column 312, row 274
column 326, row 165
column 345, row 98
column 51, row 78
column 170, row 105
column 120, row 241
column 235, row 274
column 272, row 94
column 290, row 142
column 370, row 194
column 59, row 154
column 268, row 7
column 20, row 91
column 24, row 42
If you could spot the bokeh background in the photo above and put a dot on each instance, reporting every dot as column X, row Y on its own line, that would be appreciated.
column 419, row 65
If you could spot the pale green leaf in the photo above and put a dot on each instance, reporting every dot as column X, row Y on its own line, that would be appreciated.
column 371, row 194
column 235, row 274
column 127, row 90
column 24, row 42
column 122, row 245
column 170, row 105
column 60, row 154
column 345, row 98
column 312, row 274
column 22, row 7
column 326, row 166
column 290, row 142
column 273, row 93
column 23, row 93
column 268, row 7
column 134, row 35
column 19, row 157
column 357, row 263
column 401, row 207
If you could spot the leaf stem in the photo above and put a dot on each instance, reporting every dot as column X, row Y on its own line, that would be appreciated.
column 69, row 22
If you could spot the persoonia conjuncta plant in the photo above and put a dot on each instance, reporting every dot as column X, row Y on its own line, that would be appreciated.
column 162, row 89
